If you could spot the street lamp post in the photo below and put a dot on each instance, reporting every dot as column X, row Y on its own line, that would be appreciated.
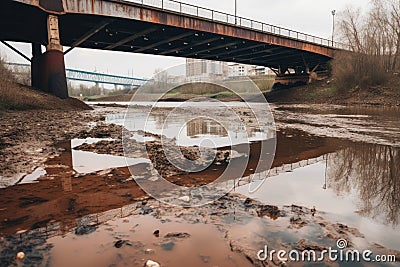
column 235, row 11
column 333, row 25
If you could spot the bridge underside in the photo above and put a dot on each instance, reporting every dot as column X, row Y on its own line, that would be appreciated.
column 160, row 33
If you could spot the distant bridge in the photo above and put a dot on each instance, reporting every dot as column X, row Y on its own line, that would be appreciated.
column 159, row 27
column 88, row 76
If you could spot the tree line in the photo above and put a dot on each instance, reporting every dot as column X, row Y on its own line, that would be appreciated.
column 373, row 39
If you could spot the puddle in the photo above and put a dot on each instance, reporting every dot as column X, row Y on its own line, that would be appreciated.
column 198, row 132
column 356, row 185
column 32, row 177
column 85, row 162
column 9, row 181
column 23, row 178
column 348, row 182
column 196, row 250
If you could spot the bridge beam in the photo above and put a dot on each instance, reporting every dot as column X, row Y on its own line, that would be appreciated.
column 48, row 69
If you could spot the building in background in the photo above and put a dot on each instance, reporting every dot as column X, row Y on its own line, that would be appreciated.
column 197, row 69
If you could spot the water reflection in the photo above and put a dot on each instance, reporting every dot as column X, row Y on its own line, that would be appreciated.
column 192, row 132
column 198, row 127
column 373, row 173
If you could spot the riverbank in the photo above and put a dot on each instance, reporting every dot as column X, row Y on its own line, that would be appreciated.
column 319, row 92
column 14, row 96
column 326, row 92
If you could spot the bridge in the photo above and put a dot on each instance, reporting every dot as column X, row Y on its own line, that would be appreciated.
column 88, row 76
column 160, row 27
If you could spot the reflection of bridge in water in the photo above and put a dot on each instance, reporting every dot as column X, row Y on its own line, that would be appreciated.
column 61, row 228
column 360, row 174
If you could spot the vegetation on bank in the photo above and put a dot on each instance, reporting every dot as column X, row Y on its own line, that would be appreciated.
column 17, row 96
column 328, row 91
column 373, row 39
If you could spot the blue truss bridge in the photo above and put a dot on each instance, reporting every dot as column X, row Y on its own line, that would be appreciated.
column 87, row 76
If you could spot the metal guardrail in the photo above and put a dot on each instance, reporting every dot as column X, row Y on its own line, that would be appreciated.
column 79, row 75
column 88, row 76
column 218, row 16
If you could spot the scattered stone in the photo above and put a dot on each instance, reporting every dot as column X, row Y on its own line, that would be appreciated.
column 20, row 255
column 184, row 198
column 121, row 243
column 297, row 222
column 270, row 211
column 150, row 263
column 248, row 202
column 146, row 210
column 85, row 229
column 21, row 231
column 313, row 211
column 156, row 233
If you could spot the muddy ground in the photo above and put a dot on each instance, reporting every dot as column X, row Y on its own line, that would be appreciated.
column 42, row 138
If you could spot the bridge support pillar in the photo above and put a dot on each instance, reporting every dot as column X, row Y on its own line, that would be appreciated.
column 48, row 69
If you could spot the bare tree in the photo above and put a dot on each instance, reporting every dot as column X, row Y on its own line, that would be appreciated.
column 374, row 42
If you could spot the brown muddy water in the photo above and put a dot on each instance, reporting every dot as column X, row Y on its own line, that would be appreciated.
column 335, row 175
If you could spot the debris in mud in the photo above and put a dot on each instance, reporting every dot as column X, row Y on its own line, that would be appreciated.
column 272, row 212
column 85, row 229
column 156, row 233
column 121, row 243
column 297, row 222
column 177, row 235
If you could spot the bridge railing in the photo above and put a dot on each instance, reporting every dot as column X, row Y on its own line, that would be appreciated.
column 202, row 12
column 86, row 76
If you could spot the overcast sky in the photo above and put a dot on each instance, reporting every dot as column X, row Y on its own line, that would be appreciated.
column 308, row 16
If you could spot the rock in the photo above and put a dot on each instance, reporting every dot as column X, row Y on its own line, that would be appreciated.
column 184, row 198
column 20, row 255
column 248, row 202
column 156, row 233
column 150, row 263
column 119, row 243
column 85, row 229
column 146, row 210
column 272, row 212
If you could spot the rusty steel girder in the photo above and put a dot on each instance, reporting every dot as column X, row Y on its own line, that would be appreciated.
column 134, row 11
